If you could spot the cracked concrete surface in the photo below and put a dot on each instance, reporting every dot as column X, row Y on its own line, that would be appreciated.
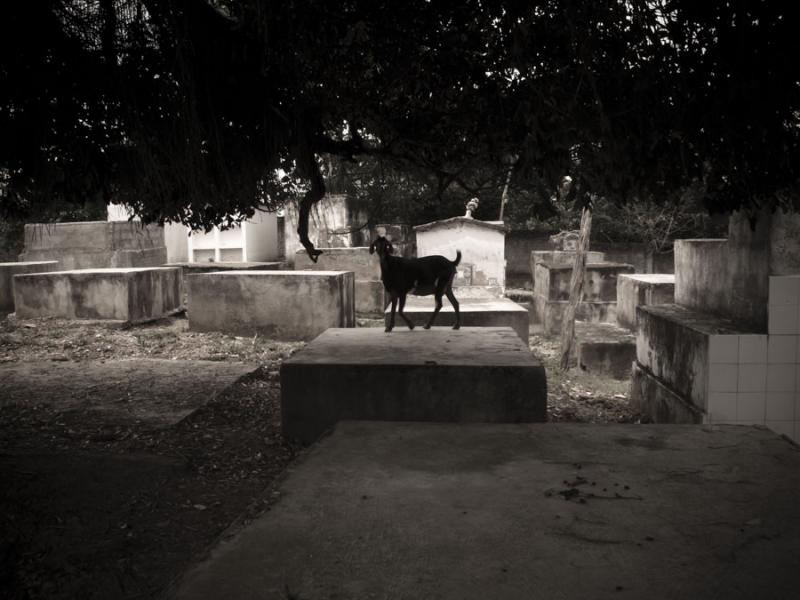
column 552, row 511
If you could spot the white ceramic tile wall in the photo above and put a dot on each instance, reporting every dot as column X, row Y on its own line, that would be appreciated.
column 758, row 380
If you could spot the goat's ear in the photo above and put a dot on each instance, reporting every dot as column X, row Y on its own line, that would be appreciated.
column 372, row 248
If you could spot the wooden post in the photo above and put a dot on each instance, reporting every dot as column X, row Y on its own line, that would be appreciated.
column 575, row 287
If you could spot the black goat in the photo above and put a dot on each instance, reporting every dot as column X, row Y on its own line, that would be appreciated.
column 419, row 276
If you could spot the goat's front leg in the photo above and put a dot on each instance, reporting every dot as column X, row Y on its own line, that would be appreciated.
column 402, row 314
column 390, row 326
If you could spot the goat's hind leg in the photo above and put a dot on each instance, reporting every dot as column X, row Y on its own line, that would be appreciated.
column 390, row 326
column 402, row 314
column 454, row 302
column 438, row 294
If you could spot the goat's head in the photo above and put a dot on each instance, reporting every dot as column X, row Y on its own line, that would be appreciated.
column 382, row 246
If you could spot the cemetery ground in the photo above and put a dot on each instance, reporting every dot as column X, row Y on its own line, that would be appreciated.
column 125, row 452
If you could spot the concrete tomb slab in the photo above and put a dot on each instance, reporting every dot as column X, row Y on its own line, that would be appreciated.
column 284, row 305
column 126, row 294
column 605, row 348
column 475, row 374
column 551, row 293
column 562, row 511
column 561, row 257
column 475, row 312
column 640, row 290
column 7, row 272
column 370, row 297
column 96, row 244
column 188, row 268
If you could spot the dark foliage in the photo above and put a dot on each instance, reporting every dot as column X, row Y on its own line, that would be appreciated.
column 184, row 109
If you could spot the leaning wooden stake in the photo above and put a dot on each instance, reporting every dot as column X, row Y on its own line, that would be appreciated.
column 575, row 288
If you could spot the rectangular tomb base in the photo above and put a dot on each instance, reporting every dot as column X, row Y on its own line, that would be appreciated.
column 282, row 305
column 7, row 272
column 131, row 295
column 635, row 290
column 475, row 312
column 475, row 374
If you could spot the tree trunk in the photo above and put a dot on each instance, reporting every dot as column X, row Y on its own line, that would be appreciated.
column 575, row 288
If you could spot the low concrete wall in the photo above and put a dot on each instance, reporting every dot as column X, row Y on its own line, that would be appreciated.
column 95, row 244
column 519, row 245
column 118, row 294
column 7, row 272
column 187, row 268
column 370, row 297
column 284, row 305
column 364, row 265
column 641, row 290
column 470, row 375
column 643, row 259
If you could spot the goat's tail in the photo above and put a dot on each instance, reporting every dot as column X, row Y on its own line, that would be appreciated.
column 458, row 258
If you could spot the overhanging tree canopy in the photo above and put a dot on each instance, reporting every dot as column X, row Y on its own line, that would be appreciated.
column 184, row 109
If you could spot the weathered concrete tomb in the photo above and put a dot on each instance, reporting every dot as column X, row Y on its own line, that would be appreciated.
column 604, row 348
column 133, row 294
column 634, row 290
column 551, row 293
column 482, row 271
column 728, row 351
column 563, row 511
column 370, row 297
column 188, row 268
column 7, row 272
column 469, row 375
column 284, row 305
column 564, row 258
column 95, row 244
column 475, row 312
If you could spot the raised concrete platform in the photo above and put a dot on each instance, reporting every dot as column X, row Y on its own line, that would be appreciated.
column 635, row 290
column 599, row 303
column 501, row 512
column 283, row 305
column 7, row 272
column 475, row 312
column 188, row 268
column 475, row 374
column 370, row 296
column 605, row 349
column 131, row 295
column 96, row 244
column 560, row 257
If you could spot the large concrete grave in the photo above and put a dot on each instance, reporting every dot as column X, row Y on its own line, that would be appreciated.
column 284, row 305
column 7, row 272
column 370, row 296
column 131, row 295
column 475, row 374
column 475, row 312
column 605, row 349
column 551, row 511
column 96, row 244
column 641, row 290
column 551, row 293
column 188, row 268
column 560, row 257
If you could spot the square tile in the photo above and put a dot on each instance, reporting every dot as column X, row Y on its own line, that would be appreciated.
column 724, row 378
column 722, row 406
column 780, row 406
column 782, row 349
column 782, row 427
column 784, row 290
column 752, row 349
column 750, row 407
column 752, row 378
column 723, row 349
column 781, row 378
column 783, row 319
